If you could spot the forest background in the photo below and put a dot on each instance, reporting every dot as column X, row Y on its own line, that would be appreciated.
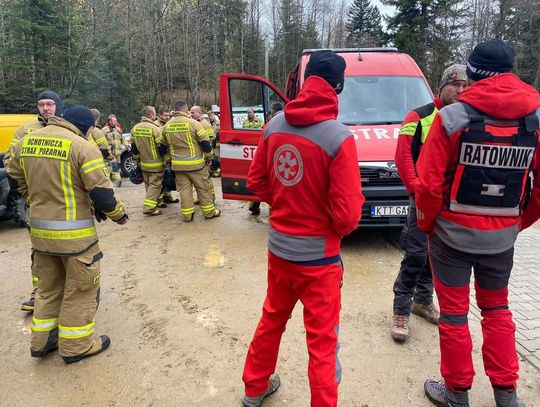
column 119, row 56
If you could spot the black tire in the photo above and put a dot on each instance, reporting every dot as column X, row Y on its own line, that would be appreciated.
column 127, row 163
column 18, row 210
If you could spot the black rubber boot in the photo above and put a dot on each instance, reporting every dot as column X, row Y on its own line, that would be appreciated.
column 50, row 346
column 441, row 396
column 105, row 343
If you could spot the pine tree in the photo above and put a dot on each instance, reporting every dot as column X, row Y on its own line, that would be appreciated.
column 364, row 25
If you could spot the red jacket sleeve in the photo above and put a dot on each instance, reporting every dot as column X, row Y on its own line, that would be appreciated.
column 404, row 159
column 431, row 168
column 257, row 181
column 532, row 211
column 346, row 197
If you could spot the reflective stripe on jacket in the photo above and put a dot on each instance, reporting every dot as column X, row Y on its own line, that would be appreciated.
column 147, row 137
column 183, row 135
column 56, row 170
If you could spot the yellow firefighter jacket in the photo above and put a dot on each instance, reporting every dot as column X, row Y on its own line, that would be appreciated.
column 183, row 136
column 20, row 133
column 115, row 139
column 60, row 175
column 147, row 138
column 97, row 138
column 208, row 129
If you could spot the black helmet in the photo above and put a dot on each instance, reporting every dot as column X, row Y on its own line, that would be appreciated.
column 136, row 176
column 169, row 179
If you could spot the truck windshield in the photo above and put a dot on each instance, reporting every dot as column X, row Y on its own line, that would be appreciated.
column 380, row 99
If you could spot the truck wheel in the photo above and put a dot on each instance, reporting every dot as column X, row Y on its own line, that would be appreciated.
column 19, row 210
column 127, row 164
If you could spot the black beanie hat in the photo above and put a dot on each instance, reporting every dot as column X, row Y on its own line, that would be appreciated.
column 329, row 66
column 490, row 58
column 80, row 116
column 49, row 94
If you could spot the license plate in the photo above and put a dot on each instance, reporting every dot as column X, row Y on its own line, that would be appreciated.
column 378, row 211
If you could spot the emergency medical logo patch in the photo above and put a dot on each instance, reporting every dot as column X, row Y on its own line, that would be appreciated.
column 288, row 165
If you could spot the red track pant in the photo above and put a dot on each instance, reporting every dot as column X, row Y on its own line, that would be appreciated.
column 318, row 288
column 451, row 274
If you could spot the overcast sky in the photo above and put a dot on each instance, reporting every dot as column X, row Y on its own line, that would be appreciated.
column 385, row 10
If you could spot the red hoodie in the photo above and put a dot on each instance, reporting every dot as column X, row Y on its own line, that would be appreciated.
column 306, row 168
column 502, row 97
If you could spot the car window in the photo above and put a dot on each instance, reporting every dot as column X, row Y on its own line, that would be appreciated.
column 380, row 99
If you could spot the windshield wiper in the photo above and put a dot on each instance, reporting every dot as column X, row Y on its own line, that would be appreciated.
column 375, row 123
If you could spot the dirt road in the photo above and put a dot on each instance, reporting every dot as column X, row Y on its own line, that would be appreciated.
column 180, row 303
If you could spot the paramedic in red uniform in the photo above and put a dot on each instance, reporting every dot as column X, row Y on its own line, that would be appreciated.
column 306, row 169
column 475, row 194
column 413, row 288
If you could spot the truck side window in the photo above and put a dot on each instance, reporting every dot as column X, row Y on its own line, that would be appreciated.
column 246, row 103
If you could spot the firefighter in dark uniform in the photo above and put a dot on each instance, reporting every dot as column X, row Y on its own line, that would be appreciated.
column 475, row 194
column 413, row 288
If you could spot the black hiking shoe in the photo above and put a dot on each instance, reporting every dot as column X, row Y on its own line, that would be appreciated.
column 441, row 396
column 105, row 343
column 507, row 399
column 273, row 385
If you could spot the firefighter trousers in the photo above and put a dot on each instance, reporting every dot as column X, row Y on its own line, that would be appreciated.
column 185, row 181
column 414, row 279
column 115, row 169
column 152, row 183
column 66, row 301
column 318, row 288
column 451, row 274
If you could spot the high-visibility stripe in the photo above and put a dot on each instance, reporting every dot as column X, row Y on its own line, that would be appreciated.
column 63, row 234
column 63, row 179
column 150, row 164
column 44, row 325
column 208, row 208
column 187, row 160
column 114, row 212
column 93, row 165
column 187, row 211
column 189, row 140
column 35, row 281
column 153, row 148
column 150, row 203
column 408, row 129
column 61, row 224
column 75, row 332
column 101, row 140
column 71, row 194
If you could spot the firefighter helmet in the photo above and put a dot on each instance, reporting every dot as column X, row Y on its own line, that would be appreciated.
column 136, row 176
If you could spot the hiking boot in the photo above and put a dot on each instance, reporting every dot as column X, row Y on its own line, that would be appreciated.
column 162, row 204
column 170, row 200
column 440, row 395
column 400, row 328
column 507, row 399
column 155, row 212
column 273, row 385
column 215, row 214
column 428, row 312
column 105, row 343
column 28, row 306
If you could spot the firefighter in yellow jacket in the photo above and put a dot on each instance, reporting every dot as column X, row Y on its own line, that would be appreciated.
column 166, row 196
column 48, row 104
column 97, row 137
column 148, row 150
column 62, row 176
column 116, row 141
column 208, row 130
column 190, row 148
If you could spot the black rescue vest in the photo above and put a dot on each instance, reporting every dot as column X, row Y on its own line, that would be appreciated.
column 493, row 166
